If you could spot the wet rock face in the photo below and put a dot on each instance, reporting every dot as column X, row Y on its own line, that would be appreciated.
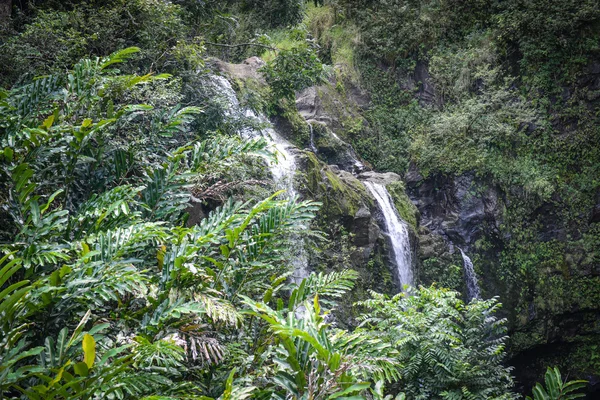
column 309, row 105
column 344, row 199
column 365, row 232
column 455, row 208
column 382, row 178
column 427, row 93
column 419, row 82
column 248, row 69
column 323, row 104
column 332, row 150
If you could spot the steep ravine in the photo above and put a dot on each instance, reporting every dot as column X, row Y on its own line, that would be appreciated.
column 550, row 323
column 443, row 215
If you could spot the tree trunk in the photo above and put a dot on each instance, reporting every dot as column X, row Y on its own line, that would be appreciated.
column 5, row 9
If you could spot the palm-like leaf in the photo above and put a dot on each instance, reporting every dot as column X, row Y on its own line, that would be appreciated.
column 556, row 389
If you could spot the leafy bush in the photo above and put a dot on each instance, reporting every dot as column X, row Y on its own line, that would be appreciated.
column 447, row 349
column 55, row 40
column 293, row 70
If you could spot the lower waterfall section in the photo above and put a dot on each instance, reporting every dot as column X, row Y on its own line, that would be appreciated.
column 473, row 291
column 397, row 230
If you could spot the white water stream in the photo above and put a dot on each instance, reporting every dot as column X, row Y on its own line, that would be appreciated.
column 283, row 171
column 397, row 230
column 313, row 148
column 473, row 291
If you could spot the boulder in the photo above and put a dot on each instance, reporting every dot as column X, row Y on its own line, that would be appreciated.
column 248, row 69
column 383, row 178
column 332, row 150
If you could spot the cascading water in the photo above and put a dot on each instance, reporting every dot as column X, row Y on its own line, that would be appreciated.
column 283, row 170
column 397, row 231
column 313, row 148
column 396, row 227
column 473, row 291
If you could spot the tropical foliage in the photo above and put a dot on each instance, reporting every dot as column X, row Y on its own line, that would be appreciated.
column 107, row 292
column 447, row 349
column 292, row 70
column 145, row 254
column 556, row 388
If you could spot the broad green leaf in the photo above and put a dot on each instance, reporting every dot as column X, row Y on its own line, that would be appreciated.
column 81, row 369
column 89, row 350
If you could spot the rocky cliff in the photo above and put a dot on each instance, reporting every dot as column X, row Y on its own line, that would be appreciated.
column 445, row 213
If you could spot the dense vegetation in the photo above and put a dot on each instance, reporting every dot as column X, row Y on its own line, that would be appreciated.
column 145, row 252
column 109, row 294
column 504, row 93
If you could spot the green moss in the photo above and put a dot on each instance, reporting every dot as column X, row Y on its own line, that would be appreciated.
column 252, row 93
column 407, row 210
column 557, row 294
column 313, row 175
column 340, row 197
column 297, row 130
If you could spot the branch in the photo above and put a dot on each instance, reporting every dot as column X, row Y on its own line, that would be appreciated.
column 241, row 45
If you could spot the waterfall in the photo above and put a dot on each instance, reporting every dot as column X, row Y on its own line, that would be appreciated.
column 397, row 230
column 283, row 171
column 470, row 277
column 313, row 148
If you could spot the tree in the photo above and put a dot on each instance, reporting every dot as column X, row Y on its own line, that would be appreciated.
column 447, row 349
column 293, row 70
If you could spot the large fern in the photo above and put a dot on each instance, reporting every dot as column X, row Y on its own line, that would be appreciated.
column 315, row 361
column 447, row 348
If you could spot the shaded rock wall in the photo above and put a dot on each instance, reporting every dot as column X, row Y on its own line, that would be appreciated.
column 553, row 322
column 549, row 322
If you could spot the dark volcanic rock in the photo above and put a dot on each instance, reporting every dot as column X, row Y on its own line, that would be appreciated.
column 459, row 208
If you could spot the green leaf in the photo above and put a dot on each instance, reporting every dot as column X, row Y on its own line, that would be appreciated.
column 48, row 122
column 81, row 369
column 8, row 154
column 89, row 350
column 357, row 387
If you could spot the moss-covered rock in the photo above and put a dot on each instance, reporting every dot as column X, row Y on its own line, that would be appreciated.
column 407, row 210
column 437, row 265
column 291, row 124
column 340, row 192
